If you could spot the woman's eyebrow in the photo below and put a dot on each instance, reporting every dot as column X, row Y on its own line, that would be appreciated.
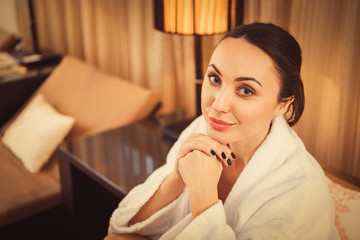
column 247, row 79
column 236, row 79
column 216, row 69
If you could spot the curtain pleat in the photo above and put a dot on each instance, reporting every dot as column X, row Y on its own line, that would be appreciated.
column 73, row 36
column 23, row 24
column 88, row 31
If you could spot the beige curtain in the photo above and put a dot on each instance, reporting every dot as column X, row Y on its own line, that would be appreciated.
column 118, row 36
column 329, row 33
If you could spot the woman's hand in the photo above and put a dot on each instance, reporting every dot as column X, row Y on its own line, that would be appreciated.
column 202, row 159
column 201, row 174
column 207, row 145
column 199, row 171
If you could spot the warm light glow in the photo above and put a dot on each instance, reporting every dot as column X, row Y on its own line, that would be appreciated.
column 211, row 16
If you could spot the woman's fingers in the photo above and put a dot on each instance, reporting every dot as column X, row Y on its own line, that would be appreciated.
column 225, row 154
column 209, row 146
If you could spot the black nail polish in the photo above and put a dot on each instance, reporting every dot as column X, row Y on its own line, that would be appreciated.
column 228, row 162
column 223, row 155
column 213, row 153
column 233, row 155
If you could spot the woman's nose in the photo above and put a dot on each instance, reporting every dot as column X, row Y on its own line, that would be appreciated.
column 222, row 101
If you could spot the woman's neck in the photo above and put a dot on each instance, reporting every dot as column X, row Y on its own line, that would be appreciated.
column 244, row 150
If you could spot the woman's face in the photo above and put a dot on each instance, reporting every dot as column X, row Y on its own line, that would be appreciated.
column 240, row 93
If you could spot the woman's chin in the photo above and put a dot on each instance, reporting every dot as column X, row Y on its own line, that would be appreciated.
column 217, row 135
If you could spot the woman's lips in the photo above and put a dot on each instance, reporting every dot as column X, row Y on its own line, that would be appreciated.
column 219, row 124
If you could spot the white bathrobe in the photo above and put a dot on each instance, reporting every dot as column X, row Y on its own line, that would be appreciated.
column 281, row 194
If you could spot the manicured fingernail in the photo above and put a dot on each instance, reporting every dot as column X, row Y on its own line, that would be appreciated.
column 213, row 153
column 233, row 155
column 228, row 162
column 223, row 155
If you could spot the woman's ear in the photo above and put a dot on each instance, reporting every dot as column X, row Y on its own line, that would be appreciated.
column 284, row 105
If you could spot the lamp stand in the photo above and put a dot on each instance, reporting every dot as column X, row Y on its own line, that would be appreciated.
column 199, row 77
column 33, row 27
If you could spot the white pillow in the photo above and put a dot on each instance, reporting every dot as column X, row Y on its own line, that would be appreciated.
column 36, row 132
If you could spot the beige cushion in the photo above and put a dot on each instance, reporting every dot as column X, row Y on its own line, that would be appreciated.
column 97, row 100
column 347, row 210
column 35, row 133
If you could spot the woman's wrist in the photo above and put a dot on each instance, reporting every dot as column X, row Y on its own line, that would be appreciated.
column 202, row 200
column 176, row 180
column 169, row 190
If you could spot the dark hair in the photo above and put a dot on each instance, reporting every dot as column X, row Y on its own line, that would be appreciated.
column 285, row 52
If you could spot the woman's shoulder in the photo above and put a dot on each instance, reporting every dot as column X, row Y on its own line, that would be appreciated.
column 289, row 153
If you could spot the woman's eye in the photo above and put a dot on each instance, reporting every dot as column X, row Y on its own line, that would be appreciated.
column 214, row 79
column 246, row 91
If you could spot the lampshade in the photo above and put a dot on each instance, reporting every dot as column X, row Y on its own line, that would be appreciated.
column 197, row 17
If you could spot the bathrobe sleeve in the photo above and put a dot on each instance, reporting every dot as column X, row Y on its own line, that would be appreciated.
column 210, row 225
column 165, row 218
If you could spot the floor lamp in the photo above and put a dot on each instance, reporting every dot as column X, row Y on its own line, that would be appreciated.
column 197, row 18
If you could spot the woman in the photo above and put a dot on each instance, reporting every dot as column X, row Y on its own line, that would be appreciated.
column 238, row 171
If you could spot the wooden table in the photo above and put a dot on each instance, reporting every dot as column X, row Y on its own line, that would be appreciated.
column 97, row 171
column 116, row 160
